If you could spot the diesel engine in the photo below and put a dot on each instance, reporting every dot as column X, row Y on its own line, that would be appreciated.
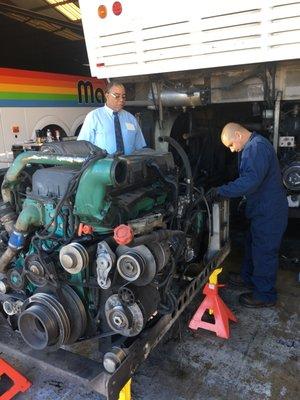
column 94, row 245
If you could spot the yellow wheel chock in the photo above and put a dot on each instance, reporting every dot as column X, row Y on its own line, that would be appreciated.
column 125, row 393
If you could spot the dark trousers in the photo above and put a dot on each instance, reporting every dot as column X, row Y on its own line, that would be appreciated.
column 262, row 244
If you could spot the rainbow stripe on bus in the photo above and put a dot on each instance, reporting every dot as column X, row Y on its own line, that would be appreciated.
column 22, row 88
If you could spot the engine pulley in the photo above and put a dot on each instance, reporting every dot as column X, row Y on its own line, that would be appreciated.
column 15, row 279
column 128, row 311
column 73, row 257
column 126, row 295
column 35, row 270
column 49, row 320
column 126, row 320
column 136, row 264
column 161, row 252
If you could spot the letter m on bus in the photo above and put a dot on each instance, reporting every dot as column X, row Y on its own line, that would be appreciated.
column 85, row 92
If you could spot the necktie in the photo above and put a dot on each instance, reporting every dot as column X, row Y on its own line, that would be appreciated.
column 118, row 133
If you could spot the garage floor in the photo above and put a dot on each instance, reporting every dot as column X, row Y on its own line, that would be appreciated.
column 259, row 361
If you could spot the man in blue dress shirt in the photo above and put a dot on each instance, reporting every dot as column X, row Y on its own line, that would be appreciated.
column 110, row 127
column 266, row 208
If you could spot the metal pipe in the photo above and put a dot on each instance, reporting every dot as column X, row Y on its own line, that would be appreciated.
column 29, row 216
column 33, row 157
column 176, row 98
column 276, row 121
column 160, row 105
column 139, row 103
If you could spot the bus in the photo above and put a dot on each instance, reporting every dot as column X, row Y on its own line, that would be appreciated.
column 32, row 101
column 203, row 66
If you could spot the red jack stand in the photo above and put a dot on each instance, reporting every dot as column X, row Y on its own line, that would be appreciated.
column 221, row 312
column 20, row 383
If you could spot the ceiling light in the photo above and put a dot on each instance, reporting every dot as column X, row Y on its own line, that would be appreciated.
column 70, row 10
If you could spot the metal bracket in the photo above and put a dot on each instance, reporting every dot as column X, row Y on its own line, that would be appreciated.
column 105, row 261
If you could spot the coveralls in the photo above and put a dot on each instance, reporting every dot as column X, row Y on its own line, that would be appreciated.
column 267, row 209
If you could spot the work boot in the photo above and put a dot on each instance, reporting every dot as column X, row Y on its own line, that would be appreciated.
column 235, row 279
column 248, row 300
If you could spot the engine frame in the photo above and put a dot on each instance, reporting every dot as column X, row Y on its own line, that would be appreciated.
column 142, row 273
column 92, row 373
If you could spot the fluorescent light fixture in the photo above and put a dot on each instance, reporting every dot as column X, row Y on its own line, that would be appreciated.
column 70, row 10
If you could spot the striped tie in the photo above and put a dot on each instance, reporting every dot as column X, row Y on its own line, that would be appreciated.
column 118, row 133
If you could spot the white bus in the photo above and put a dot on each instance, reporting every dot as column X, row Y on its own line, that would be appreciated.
column 31, row 101
column 200, row 65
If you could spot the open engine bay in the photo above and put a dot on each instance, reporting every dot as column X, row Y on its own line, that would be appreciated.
column 103, row 247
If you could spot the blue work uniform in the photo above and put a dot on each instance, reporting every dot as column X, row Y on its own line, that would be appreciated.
column 267, row 209
column 99, row 129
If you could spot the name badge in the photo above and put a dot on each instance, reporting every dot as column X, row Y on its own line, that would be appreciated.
column 129, row 126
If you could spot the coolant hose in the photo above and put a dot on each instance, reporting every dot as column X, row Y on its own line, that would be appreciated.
column 29, row 216
column 33, row 157
column 185, row 160
column 15, row 244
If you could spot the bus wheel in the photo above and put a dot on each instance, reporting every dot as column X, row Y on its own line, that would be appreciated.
column 54, row 129
column 78, row 130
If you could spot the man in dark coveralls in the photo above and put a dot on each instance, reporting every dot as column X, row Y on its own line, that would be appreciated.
column 266, row 207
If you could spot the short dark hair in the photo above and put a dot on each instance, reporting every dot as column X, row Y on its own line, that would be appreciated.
column 112, row 84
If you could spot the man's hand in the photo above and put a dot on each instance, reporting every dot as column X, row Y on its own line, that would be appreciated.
column 212, row 195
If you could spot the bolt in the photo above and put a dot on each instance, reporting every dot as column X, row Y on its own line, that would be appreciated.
column 34, row 269
column 117, row 320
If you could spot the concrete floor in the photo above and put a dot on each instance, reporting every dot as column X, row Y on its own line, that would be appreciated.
column 258, row 361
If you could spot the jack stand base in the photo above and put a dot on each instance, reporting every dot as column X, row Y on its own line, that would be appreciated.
column 221, row 313
column 20, row 383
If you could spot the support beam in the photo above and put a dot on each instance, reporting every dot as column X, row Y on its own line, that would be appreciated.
column 49, row 6
column 6, row 8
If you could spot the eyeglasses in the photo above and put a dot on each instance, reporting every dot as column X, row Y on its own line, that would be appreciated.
column 119, row 96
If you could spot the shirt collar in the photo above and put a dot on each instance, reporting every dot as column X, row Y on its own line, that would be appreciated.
column 252, row 135
column 110, row 110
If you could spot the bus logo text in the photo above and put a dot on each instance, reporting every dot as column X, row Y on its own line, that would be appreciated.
column 87, row 94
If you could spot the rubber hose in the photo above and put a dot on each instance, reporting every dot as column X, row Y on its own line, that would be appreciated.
column 185, row 160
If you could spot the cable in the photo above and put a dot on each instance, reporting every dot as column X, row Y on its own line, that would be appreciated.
column 69, row 192
column 185, row 160
column 169, row 182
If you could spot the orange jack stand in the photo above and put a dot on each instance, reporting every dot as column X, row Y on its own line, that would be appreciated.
column 20, row 383
column 221, row 313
